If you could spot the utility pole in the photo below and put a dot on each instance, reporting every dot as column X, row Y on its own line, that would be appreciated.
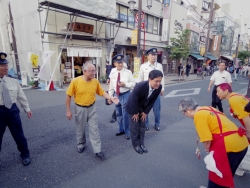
column 237, row 49
column 139, row 29
column 208, row 32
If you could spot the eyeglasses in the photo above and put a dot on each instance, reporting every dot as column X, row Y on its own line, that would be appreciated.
column 184, row 111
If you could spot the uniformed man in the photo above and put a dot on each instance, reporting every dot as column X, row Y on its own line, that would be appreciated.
column 143, row 76
column 121, row 81
column 220, row 76
column 10, row 93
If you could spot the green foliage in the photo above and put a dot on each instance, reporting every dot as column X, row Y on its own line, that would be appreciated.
column 180, row 46
column 243, row 55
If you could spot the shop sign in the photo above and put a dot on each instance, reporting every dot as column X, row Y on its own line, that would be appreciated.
column 134, row 36
column 82, row 27
column 215, row 42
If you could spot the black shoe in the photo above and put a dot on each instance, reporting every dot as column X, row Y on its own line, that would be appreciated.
column 80, row 150
column 120, row 133
column 100, row 155
column 147, row 128
column 112, row 120
column 144, row 149
column 157, row 128
column 26, row 161
column 138, row 150
column 127, row 137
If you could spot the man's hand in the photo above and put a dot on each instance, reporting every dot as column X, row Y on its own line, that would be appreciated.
column 135, row 117
column 29, row 114
column 115, row 100
column 121, row 84
column 143, row 116
column 69, row 114
column 208, row 89
column 162, row 93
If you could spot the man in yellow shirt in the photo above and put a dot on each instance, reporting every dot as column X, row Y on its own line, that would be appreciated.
column 84, row 88
column 219, row 136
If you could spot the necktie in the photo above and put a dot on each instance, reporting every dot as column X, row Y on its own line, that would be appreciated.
column 117, row 86
column 6, row 97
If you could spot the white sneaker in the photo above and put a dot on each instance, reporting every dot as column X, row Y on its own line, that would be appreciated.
column 202, row 187
column 239, row 172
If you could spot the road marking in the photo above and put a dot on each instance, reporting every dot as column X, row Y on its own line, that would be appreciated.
column 192, row 91
column 243, row 83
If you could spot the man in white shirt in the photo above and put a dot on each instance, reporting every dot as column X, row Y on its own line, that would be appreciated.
column 143, row 76
column 121, row 81
column 219, row 77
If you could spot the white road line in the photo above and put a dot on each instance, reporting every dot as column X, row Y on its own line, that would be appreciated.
column 194, row 91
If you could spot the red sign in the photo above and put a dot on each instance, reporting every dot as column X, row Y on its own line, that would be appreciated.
column 143, row 25
column 137, row 15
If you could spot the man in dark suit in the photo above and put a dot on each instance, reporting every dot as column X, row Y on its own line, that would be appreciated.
column 139, row 104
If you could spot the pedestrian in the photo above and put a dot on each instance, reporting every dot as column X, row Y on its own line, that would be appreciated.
column 225, row 146
column 180, row 69
column 84, row 88
column 237, row 105
column 139, row 104
column 11, row 92
column 121, row 81
column 108, row 70
column 236, row 72
column 188, row 68
column 145, row 68
column 220, row 76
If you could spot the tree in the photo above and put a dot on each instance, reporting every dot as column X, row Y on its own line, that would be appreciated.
column 180, row 46
column 243, row 55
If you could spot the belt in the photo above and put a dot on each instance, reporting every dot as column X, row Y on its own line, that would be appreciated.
column 124, row 93
column 85, row 106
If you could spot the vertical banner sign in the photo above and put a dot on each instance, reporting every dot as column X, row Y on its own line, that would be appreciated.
column 215, row 42
column 46, row 57
column 166, row 20
column 134, row 36
column 136, row 66
column 202, row 50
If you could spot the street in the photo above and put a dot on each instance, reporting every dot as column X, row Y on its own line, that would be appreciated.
column 170, row 163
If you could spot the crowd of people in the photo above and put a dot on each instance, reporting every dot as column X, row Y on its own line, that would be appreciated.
column 225, row 143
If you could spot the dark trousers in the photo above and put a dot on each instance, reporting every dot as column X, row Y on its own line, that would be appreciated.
column 11, row 118
column 137, row 131
column 114, row 115
column 234, row 161
column 187, row 72
column 216, row 102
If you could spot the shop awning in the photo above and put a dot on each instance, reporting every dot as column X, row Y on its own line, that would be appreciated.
column 227, row 57
column 197, row 56
column 211, row 57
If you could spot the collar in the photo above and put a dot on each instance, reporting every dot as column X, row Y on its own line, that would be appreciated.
column 119, row 70
column 3, row 79
column 150, row 88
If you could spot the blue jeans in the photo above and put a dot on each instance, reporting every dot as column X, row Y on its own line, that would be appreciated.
column 122, row 114
column 157, row 112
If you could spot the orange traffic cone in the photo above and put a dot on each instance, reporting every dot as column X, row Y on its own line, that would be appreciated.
column 51, row 86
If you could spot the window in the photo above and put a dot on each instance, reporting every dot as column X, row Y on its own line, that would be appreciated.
column 156, row 25
column 150, row 24
column 131, row 20
column 124, row 16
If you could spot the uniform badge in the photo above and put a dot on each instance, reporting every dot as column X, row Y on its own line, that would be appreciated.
column 154, row 50
column 119, row 57
column 2, row 56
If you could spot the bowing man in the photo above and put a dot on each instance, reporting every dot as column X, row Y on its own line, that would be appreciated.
column 121, row 82
column 139, row 104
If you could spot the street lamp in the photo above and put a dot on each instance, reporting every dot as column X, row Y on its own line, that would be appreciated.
column 149, row 5
column 131, row 5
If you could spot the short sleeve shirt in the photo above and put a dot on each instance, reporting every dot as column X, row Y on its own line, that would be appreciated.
column 237, row 103
column 221, row 77
column 84, row 92
column 206, row 125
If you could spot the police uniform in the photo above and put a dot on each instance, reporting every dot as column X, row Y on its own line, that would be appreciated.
column 143, row 76
column 10, row 93
column 122, row 93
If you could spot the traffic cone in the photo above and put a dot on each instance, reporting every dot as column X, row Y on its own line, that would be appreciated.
column 51, row 86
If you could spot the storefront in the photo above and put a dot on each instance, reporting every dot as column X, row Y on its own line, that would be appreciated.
column 72, row 60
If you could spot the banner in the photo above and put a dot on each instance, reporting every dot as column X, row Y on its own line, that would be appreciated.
column 46, row 57
column 84, row 52
column 166, row 9
column 202, row 50
column 136, row 66
column 134, row 36
column 215, row 42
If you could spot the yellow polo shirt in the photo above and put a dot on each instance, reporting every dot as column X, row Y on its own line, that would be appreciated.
column 84, row 92
column 206, row 124
column 238, row 103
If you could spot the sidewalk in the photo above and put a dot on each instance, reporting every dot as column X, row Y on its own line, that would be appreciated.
column 169, row 79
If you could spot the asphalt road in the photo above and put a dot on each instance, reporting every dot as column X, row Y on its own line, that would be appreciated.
column 170, row 163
